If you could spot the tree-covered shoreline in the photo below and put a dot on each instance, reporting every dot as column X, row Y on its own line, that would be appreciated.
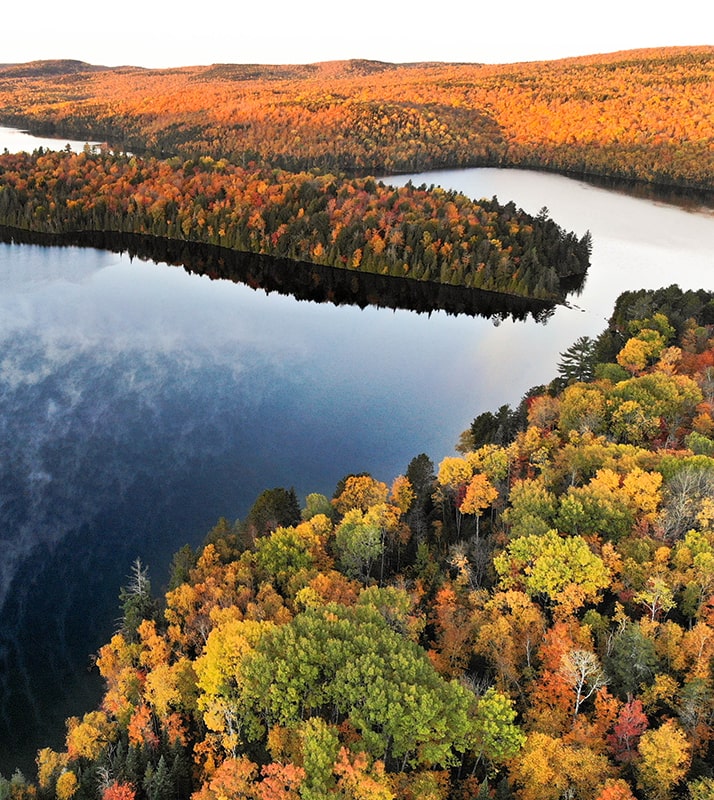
column 642, row 116
column 530, row 619
column 303, row 281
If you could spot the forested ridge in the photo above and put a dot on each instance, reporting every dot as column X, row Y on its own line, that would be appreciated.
column 529, row 619
column 644, row 115
column 357, row 224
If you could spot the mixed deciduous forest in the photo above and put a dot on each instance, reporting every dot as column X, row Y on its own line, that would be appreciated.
column 644, row 115
column 255, row 158
column 531, row 618
column 356, row 224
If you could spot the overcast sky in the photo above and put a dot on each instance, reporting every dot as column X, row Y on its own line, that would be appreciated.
column 152, row 33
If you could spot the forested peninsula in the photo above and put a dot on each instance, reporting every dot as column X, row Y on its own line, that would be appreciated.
column 357, row 224
column 530, row 619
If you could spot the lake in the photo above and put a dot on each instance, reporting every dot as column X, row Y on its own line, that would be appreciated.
column 139, row 403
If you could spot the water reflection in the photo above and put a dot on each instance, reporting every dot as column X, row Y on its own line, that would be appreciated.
column 305, row 281
column 138, row 403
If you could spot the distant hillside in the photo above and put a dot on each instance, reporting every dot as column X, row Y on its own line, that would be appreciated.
column 644, row 115
column 35, row 69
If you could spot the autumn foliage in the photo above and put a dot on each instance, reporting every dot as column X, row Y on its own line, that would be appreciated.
column 358, row 224
column 644, row 115
column 403, row 643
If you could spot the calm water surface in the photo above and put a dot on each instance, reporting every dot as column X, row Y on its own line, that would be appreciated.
column 139, row 403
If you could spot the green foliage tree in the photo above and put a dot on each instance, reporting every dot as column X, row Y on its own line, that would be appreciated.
column 137, row 603
column 577, row 363
column 358, row 543
column 562, row 570
column 273, row 508
column 350, row 660
column 632, row 661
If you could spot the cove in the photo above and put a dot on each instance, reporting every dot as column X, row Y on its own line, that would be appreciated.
column 138, row 403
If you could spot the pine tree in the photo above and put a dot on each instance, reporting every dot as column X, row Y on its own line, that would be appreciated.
column 577, row 363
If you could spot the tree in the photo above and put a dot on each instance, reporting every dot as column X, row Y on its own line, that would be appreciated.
column 272, row 509
column 315, row 504
column 631, row 724
column 360, row 492
column 549, row 769
column 453, row 477
column 350, row 661
column 532, row 508
column 496, row 736
column 183, row 561
column 454, row 631
column 616, row 789
column 561, row 570
column 582, row 670
column 601, row 507
column 235, row 778
column 684, row 493
column 136, row 600
column 218, row 673
column 284, row 552
column 119, row 791
column 641, row 350
column 509, row 629
column 480, row 493
column 320, row 747
column 402, row 494
column 577, row 363
column 358, row 543
column 632, row 660
column 49, row 765
column 582, row 409
column 499, row 428
column 87, row 738
column 664, row 758
column 420, row 474
column 280, row 782
column 360, row 778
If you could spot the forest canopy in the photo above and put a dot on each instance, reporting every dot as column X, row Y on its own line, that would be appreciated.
column 644, row 115
column 531, row 619
column 419, row 233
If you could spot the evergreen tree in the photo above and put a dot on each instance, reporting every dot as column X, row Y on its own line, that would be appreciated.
column 137, row 604
column 577, row 363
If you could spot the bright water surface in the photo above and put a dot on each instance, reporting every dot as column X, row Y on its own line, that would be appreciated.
column 139, row 403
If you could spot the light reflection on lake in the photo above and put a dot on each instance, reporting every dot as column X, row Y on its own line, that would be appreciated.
column 17, row 141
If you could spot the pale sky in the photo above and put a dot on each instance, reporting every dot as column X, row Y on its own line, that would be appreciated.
column 153, row 33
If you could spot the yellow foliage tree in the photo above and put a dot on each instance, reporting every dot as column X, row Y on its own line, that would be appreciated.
column 480, row 494
column 664, row 758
